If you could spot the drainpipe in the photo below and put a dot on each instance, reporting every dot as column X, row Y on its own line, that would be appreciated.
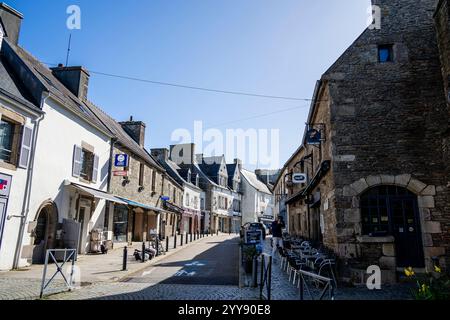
column 111, row 161
column 108, row 183
column 26, row 198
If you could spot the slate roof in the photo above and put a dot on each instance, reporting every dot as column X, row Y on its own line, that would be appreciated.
column 52, row 85
column 175, row 172
column 254, row 181
column 11, row 86
column 231, row 168
column 122, row 137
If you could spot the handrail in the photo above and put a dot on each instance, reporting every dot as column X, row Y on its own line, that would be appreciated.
column 315, row 277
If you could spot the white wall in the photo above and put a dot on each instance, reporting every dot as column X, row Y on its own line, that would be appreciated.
column 15, row 203
column 59, row 132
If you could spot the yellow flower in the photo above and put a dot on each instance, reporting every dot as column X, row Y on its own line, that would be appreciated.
column 409, row 272
column 437, row 269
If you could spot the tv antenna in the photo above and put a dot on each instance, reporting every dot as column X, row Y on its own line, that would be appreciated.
column 68, row 50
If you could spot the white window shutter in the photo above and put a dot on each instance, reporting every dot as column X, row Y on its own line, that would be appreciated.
column 25, row 150
column 95, row 169
column 76, row 168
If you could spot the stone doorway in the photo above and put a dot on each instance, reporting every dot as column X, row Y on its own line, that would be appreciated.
column 44, row 237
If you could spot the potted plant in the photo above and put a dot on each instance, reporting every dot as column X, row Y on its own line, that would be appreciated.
column 250, row 253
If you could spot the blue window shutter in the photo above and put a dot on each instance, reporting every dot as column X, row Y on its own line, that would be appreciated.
column 76, row 168
column 25, row 150
column 95, row 169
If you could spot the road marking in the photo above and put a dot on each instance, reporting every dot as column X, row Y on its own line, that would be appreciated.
column 182, row 273
column 195, row 264
column 146, row 273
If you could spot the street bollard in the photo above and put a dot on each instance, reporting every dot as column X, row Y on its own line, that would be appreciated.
column 143, row 251
column 175, row 241
column 187, row 239
column 191, row 238
column 167, row 244
column 181, row 242
column 157, row 246
column 124, row 263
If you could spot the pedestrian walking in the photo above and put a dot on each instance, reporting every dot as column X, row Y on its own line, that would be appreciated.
column 277, row 235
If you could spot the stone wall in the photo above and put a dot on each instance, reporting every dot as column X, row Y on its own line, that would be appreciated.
column 387, row 119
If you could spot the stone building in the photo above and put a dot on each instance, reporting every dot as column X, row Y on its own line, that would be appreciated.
column 377, row 190
column 182, row 173
column 150, row 196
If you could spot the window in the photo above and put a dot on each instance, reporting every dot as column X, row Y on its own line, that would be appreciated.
column 385, row 53
column 141, row 174
column 174, row 195
column 87, row 164
column 7, row 130
column 153, row 180
column 195, row 202
column 187, row 199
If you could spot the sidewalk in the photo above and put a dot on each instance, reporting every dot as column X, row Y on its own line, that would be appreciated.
column 24, row 284
column 283, row 289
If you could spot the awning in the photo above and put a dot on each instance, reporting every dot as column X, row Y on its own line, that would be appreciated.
column 98, row 194
column 140, row 205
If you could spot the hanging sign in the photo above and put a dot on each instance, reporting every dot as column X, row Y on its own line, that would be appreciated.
column 121, row 160
column 299, row 178
column 313, row 137
column 120, row 173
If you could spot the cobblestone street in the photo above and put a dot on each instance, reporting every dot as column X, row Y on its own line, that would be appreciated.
column 196, row 272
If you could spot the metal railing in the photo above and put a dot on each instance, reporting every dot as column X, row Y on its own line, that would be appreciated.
column 317, row 281
column 266, row 277
column 69, row 256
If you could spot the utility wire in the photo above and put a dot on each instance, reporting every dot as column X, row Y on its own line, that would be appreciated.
column 258, row 116
column 177, row 85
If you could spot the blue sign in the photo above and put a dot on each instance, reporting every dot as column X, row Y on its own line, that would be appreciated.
column 313, row 137
column 165, row 198
column 121, row 160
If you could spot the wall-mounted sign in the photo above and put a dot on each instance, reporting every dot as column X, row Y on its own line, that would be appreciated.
column 165, row 198
column 120, row 173
column 121, row 160
column 299, row 178
column 5, row 185
column 313, row 137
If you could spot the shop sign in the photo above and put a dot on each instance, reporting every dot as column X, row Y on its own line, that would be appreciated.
column 121, row 160
column 313, row 137
column 5, row 185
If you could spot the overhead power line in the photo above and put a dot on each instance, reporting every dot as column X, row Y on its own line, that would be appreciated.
column 190, row 87
column 259, row 116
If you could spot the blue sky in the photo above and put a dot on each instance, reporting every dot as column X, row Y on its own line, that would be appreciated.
column 261, row 46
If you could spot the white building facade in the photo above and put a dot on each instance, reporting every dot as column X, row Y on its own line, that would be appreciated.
column 257, row 199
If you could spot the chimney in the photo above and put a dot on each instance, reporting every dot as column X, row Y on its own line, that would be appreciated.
column 76, row 79
column 199, row 158
column 183, row 153
column 11, row 20
column 239, row 163
column 160, row 154
column 135, row 129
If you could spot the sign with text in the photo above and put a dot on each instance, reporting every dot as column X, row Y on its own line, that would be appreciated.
column 120, row 173
column 253, row 236
column 313, row 137
column 5, row 185
column 299, row 178
column 121, row 160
